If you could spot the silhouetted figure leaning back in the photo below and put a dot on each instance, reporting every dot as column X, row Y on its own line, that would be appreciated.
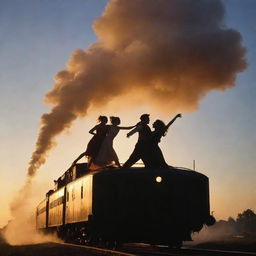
column 157, row 159
column 99, row 132
column 141, row 150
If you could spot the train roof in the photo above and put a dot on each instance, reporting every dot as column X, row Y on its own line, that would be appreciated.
column 80, row 170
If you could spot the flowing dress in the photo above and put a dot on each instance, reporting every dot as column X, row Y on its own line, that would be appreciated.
column 157, row 157
column 94, row 144
column 107, row 154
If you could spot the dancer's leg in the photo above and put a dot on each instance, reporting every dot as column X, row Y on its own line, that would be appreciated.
column 134, row 157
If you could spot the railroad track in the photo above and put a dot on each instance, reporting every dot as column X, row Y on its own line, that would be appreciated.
column 129, row 250
column 100, row 251
column 164, row 251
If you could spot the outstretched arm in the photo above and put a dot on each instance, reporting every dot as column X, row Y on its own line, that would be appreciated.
column 93, row 129
column 172, row 121
column 126, row 127
column 136, row 129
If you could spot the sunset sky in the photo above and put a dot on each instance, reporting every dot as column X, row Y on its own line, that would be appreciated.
column 37, row 38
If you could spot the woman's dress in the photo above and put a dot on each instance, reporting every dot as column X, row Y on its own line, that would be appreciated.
column 157, row 157
column 107, row 154
column 96, row 141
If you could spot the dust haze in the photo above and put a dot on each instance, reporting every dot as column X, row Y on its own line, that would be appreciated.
column 21, row 229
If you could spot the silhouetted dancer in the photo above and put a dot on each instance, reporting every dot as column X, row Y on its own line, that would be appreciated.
column 157, row 159
column 141, row 150
column 99, row 132
column 107, row 154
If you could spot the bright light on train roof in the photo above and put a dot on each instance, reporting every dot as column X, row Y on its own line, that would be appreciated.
column 158, row 179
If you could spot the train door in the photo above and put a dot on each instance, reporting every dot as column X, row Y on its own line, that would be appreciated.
column 70, row 204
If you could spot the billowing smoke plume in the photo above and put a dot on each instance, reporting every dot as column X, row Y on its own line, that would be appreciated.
column 168, row 53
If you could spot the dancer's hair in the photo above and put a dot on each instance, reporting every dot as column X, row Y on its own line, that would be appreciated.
column 115, row 120
column 160, row 126
column 102, row 119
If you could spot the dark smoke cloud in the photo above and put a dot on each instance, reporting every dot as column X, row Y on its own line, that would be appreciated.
column 169, row 53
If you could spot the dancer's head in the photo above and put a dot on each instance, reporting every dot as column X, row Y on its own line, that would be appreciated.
column 115, row 120
column 103, row 119
column 160, row 127
column 145, row 118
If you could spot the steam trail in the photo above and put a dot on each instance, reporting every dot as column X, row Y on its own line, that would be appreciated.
column 171, row 53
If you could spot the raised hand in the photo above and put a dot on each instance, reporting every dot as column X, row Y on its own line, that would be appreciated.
column 171, row 122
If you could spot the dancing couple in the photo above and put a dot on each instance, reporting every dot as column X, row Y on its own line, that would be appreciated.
column 100, row 151
column 147, row 148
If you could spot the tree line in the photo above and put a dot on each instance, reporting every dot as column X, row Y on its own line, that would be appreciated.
column 243, row 225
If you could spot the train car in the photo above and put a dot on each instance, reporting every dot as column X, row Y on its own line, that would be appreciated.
column 79, row 200
column 156, row 206
column 56, row 208
column 41, row 217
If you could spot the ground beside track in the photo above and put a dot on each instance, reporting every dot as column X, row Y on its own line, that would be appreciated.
column 47, row 249
column 247, row 244
column 53, row 249
column 165, row 251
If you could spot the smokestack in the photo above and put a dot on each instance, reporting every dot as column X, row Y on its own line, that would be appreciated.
column 169, row 54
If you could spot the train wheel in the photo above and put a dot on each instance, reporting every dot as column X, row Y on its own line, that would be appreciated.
column 87, row 240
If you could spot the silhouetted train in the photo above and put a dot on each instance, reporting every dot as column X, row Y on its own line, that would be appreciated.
column 155, row 206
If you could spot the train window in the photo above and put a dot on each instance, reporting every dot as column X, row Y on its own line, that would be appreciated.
column 82, row 192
